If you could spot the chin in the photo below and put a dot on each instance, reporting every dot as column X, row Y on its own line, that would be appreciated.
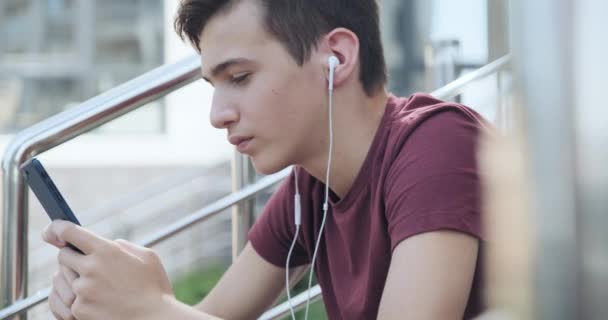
column 267, row 166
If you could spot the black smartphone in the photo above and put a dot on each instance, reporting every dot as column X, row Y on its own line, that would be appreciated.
column 47, row 193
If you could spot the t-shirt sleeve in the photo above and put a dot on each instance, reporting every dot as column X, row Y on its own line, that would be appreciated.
column 272, row 233
column 433, row 184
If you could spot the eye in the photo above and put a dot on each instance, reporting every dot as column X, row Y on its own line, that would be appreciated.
column 240, row 79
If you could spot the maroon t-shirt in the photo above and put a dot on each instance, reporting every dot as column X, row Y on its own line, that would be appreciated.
column 419, row 175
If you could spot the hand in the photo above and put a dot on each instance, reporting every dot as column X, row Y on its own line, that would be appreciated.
column 117, row 279
column 62, row 297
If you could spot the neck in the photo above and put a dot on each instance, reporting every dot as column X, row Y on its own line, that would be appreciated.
column 356, row 118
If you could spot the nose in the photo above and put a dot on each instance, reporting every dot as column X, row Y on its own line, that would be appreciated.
column 223, row 113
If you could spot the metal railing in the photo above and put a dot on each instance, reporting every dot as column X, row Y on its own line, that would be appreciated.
column 55, row 131
column 111, row 105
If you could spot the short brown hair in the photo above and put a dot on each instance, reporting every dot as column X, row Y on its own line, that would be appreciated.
column 299, row 24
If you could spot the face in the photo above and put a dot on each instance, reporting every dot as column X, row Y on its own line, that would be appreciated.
column 261, row 92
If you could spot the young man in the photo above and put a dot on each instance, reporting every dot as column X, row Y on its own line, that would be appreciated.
column 401, row 235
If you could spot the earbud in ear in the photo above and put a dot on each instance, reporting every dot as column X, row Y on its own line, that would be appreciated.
column 333, row 62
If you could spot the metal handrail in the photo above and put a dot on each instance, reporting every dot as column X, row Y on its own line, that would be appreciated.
column 457, row 86
column 453, row 89
column 55, row 131
column 298, row 302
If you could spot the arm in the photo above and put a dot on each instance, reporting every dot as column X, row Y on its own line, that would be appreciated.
column 248, row 288
column 430, row 277
column 433, row 187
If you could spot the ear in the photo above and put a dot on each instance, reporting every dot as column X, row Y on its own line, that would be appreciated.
column 344, row 44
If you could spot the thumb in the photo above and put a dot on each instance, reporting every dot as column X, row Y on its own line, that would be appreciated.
column 51, row 238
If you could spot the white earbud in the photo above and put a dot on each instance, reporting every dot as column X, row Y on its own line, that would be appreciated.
column 333, row 61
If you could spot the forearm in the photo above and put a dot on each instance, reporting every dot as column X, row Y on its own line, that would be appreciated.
column 253, row 300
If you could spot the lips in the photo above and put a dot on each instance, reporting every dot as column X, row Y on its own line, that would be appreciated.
column 237, row 140
column 242, row 143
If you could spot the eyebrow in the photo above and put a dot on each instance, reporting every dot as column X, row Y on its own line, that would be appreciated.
column 225, row 65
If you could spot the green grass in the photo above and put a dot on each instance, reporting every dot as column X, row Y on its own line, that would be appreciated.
column 192, row 287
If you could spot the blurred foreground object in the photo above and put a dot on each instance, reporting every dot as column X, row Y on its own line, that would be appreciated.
column 546, row 212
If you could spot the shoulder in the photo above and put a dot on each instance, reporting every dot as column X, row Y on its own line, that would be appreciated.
column 421, row 108
column 424, row 125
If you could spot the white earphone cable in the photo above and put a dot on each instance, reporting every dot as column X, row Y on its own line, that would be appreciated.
column 325, row 205
column 297, row 218
column 293, row 243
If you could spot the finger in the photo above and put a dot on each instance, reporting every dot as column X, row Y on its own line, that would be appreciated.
column 71, row 259
column 51, row 238
column 131, row 247
column 69, row 274
column 63, row 290
column 59, row 310
column 80, row 237
column 137, row 251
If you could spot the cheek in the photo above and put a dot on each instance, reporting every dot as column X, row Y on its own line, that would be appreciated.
column 287, row 103
column 273, row 99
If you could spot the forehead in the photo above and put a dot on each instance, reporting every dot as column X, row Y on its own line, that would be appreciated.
column 236, row 33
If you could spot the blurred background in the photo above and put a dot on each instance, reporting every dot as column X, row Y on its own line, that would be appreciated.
column 546, row 182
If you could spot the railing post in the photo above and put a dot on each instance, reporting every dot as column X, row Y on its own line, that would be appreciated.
column 13, row 252
column 243, row 174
